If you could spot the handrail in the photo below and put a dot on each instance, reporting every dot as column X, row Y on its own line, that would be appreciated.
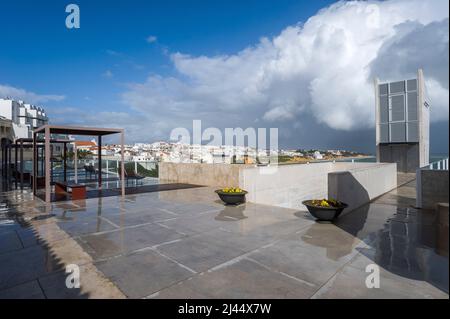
column 439, row 165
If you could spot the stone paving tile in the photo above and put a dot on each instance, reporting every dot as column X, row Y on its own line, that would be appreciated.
column 245, row 242
column 187, row 209
column 350, row 283
column 93, row 211
column 243, row 279
column 9, row 241
column 126, row 240
column 28, row 236
column 194, row 224
column 334, row 242
column 68, row 251
column 28, row 290
column 25, row 265
column 142, row 273
column 201, row 252
column 124, row 220
column 251, row 250
column 93, row 285
column 313, row 255
column 266, row 227
column 89, row 225
column 410, row 261
column 41, row 233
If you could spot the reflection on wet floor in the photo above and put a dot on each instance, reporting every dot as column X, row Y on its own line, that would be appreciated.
column 231, row 213
column 185, row 244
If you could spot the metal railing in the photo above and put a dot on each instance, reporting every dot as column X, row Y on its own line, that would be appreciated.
column 439, row 165
column 109, row 167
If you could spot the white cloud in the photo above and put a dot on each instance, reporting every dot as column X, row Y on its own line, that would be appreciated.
column 29, row 97
column 322, row 69
column 151, row 39
column 438, row 97
column 108, row 74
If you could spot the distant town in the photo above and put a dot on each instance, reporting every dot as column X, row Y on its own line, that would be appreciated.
column 187, row 153
column 19, row 119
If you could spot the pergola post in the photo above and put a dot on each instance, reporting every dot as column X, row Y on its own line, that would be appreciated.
column 75, row 161
column 47, row 156
column 15, row 165
column 99, row 157
column 4, row 159
column 21, row 164
column 42, row 156
column 9, row 163
column 51, row 164
column 122, row 164
column 34, row 170
column 65, row 162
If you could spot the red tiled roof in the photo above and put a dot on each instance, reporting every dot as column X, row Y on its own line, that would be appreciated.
column 85, row 143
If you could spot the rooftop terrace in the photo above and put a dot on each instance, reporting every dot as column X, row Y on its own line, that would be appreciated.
column 186, row 244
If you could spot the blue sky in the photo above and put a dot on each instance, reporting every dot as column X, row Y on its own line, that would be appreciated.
column 111, row 73
column 40, row 54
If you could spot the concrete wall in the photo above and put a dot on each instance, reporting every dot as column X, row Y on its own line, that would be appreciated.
column 217, row 175
column 431, row 188
column 357, row 186
column 353, row 183
column 288, row 185
column 406, row 156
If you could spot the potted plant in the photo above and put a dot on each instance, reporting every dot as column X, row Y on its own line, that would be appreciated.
column 325, row 209
column 232, row 195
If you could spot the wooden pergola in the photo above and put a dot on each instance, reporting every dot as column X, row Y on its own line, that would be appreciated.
column 47, row 130
column 19, row 145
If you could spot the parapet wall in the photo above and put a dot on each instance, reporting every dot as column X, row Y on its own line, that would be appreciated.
column 288, row 185
column 431, row 188
column 353, row 183
column 217, row 175
column 359, row 185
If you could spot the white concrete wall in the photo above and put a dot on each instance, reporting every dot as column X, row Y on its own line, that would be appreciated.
column 359, row 185
column 6, row 109
column 288, row 186
column 291, row 184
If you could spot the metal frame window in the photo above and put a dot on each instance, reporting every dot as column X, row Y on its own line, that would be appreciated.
column 398, row 93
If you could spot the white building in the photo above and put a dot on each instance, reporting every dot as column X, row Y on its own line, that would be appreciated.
column 317, row 155
column 25, row 117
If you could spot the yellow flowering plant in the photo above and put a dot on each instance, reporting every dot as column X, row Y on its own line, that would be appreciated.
column 326, row 202
column 232, row 190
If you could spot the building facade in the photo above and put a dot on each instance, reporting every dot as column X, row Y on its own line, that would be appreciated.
column 24, row 117
column 403, row 123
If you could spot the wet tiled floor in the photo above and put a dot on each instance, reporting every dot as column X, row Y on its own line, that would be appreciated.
column 186, row 244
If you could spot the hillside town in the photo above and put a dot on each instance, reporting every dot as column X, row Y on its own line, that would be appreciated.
column 19, row 119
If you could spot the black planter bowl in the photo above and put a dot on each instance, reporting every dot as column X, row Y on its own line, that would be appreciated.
column 324, row 214
column 232, row 198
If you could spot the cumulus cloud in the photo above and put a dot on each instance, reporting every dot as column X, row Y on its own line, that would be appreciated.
column 29, row 97
column 151, row 39
column 419, row 46
column 321, row 70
